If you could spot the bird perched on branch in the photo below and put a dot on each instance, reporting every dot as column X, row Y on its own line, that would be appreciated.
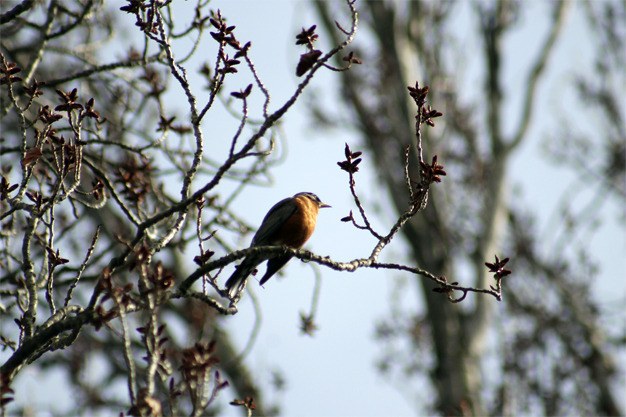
column 290, row 222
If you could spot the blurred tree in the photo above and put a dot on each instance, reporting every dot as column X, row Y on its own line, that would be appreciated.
column 547, row 352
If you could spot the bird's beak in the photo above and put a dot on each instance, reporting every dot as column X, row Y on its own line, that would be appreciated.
column 322, row 205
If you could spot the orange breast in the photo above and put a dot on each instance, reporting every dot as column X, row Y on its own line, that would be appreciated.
column 300, row 226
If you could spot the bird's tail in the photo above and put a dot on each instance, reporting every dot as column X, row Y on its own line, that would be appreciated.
column 237, row 279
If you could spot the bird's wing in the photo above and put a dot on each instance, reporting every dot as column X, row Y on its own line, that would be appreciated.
column 273, row 220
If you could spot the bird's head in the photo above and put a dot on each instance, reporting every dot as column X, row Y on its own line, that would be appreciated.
column 313, row 198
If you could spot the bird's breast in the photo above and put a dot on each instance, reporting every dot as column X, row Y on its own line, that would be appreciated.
column 299, row 227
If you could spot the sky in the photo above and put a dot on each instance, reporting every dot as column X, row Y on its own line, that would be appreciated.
column 334, row 373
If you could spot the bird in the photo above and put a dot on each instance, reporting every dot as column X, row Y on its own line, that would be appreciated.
column 290, row 222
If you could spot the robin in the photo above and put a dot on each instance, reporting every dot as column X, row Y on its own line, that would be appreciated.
column 291, row 223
